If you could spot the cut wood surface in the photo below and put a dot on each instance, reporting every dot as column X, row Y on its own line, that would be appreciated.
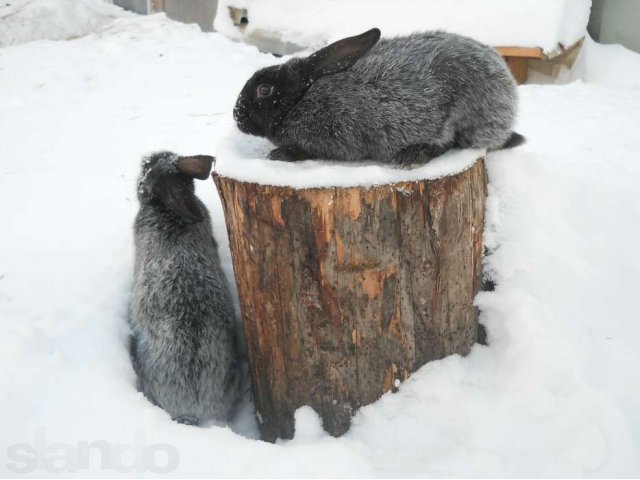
column 524, row 52
column 346, row 291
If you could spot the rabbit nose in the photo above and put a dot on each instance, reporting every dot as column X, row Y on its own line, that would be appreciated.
column 245, row 124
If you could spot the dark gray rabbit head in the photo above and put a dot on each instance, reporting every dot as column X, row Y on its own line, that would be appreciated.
column 272, row 92
column 167, row 179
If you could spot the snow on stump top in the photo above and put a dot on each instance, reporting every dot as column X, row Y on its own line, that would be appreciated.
column 349, row 277
column 242, row 157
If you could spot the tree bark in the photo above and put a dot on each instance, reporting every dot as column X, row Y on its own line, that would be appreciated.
column 346, row 291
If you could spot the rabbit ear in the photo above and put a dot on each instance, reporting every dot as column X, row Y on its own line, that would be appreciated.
column 180, row 199
column 340, row 55
column 197, row 166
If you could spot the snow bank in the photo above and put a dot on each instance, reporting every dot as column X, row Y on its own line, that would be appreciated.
column 24, row 21
column 243, row 157
column 611, row 65
column 313, row 23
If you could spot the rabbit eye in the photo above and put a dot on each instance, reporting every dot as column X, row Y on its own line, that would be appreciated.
column 265, row 90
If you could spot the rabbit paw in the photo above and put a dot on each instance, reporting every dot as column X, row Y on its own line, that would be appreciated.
column 188, row 420
column 288, row 154
column 419, row 154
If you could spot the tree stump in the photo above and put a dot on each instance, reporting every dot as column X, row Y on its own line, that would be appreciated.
column 346, row 291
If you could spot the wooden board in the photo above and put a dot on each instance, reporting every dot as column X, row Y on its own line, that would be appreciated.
column 522, row 52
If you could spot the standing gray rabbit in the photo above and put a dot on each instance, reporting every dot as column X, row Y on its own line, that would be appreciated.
column 398, row 100
column 183, row 343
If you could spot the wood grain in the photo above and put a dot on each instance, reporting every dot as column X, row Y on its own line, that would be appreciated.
column 346, row 291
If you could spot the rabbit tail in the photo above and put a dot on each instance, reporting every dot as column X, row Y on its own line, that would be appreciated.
column 514, row 140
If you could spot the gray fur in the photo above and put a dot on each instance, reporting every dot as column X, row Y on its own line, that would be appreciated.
column 404, row 100
column 183, row 343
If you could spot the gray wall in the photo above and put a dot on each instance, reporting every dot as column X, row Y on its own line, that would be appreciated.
column 616, row 21
column 138, row 6
column 201, row 12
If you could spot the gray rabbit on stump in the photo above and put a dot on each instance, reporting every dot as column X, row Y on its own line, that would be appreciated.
column 400, row 100
column 183, row 345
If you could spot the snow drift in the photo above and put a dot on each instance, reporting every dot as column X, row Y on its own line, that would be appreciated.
column 24, row 21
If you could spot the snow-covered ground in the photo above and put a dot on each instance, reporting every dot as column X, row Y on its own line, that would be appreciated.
column 555, row 393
